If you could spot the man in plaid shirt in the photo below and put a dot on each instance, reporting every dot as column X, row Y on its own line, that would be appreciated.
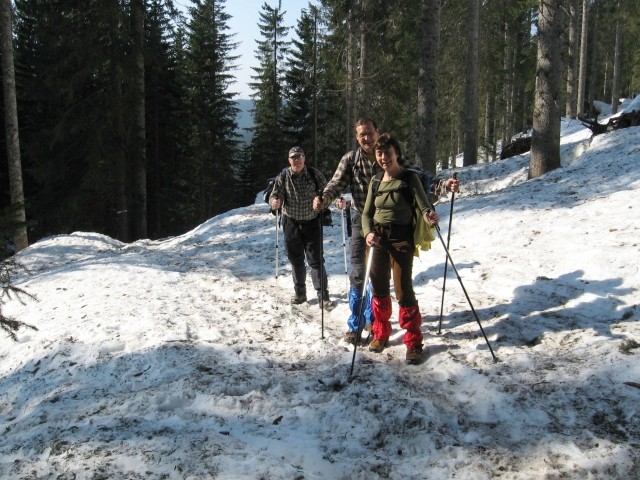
column 294, row 190
column 354, row 172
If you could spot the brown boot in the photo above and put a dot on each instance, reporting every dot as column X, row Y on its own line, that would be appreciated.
column 350, row 338
column 414, row 355
column 377, row 345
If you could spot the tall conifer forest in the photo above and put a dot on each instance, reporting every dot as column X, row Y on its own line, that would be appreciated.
column 128, row 119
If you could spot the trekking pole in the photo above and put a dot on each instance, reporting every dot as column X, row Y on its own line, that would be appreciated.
column 322, row 285
column 361, row 312
column 344, row 245
column 277, row 250
column 464, row 290
column 446, row 261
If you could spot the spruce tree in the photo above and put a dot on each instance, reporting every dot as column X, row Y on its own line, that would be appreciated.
column 71, row 76
column 427, row 85
column 9, row 268
column 213, row 140
column 301, row 86
column 166, row 118
column 269, row 145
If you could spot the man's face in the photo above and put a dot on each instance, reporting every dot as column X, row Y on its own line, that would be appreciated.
column 296, row 161
column 366, row 135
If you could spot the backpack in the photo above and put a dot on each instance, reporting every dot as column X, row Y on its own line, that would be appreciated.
column 267, row 191
column 326, row 213
column 269, row 188
column 422, row 232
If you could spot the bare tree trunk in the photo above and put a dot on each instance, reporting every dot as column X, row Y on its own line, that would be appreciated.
column 491, row 123
column 453, row 148
column 504, row 100
column 545, row 141
column 582, row 79
column 593, row 55
column 315, row 86
column 426, row 129
column 349, row 90
column 507, row 92
column 572, row 59
column 138, row 154
column 488, row 118
column 615, row 83
column 470, row 155
column 525, row 113
column 606, row 76
column 363, row 82
column 118, row 133
column 20, row 238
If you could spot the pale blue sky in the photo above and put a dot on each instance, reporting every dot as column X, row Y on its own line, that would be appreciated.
column 244, row 23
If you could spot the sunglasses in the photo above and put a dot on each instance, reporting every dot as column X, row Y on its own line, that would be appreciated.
column 296, row 157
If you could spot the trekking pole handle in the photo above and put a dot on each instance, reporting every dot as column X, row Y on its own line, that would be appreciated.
column 454, row 177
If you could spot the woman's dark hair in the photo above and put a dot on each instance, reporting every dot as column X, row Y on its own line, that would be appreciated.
column 387, row 141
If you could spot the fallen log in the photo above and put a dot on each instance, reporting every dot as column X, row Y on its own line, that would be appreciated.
column 516, row 147
column 624, row 120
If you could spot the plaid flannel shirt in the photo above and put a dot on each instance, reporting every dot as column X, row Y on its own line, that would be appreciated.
column 353, row 175
column 297, row 193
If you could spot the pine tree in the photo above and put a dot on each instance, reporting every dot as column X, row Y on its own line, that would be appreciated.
column 9, row 268
column 72, row 93
column 505, row 92
column 138, row 156
column 471, row 85
column 80, row 132
column 427, row 100
column 166, row 118
column 213, row 141
column 78, row 70
column 269, row 144
column 301, row 86
column 450, row 80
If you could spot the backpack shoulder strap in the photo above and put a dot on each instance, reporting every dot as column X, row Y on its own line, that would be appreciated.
column 406, row 191
column 376, row 183
column 283, row 179
column 312, row 174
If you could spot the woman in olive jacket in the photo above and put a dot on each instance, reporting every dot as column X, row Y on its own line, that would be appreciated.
column 387, row 224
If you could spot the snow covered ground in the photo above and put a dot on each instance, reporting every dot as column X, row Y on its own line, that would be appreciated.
column 180, row 359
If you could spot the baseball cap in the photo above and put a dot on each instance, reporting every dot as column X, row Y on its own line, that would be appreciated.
column 295, row 150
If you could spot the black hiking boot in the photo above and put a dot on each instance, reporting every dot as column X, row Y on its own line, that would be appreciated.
column 298, row 298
